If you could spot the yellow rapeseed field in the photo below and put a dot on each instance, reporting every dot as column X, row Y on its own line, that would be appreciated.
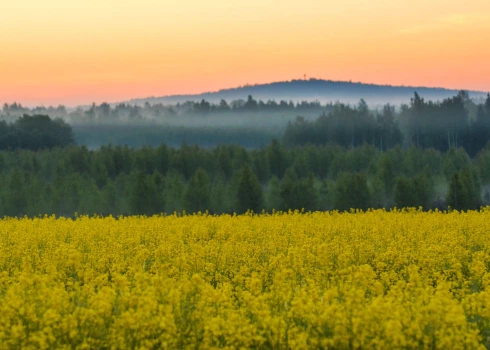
column 392, row 280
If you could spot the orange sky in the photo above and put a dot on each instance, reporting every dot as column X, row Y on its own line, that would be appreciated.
column 78, row 52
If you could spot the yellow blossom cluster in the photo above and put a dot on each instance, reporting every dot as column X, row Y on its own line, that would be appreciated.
column 395, row 280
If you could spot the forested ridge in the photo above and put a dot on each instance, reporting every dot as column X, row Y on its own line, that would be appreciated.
column 429, row 154
column 325, row 90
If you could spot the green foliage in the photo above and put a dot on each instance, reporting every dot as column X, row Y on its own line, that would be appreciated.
column 249, row 192
column 347, row 126
column 121, row 180
column 297, row 193
column 377, row 193
column 351, row 192
column 174, row 187
column 276, row 156
column 326, row 195
column 412, row 192
column 387, row 175
column 146, row 196
column 219, row 198
column 109, row 198
column 464, row 191
column 35, row 132
column 197, row 194
column 16, row 199
column 273, row 195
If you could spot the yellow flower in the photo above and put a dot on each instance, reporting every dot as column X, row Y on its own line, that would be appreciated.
column 397, row 280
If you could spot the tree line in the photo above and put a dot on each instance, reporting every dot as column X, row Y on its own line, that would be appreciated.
column 455, row 122
column 451, row 123
column 34, row 133
column 227, row 179
column 125, row 112
column 429, row 154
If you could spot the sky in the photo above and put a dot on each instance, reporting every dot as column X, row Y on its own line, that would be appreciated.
column 78, row 52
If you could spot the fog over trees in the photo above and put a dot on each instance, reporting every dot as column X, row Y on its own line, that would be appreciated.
column 249, row 154
column 455, row 121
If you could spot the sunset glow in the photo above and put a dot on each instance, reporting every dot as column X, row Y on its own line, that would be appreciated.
column 78, row 52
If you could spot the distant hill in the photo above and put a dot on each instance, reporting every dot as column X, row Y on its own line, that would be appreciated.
column 314, row 89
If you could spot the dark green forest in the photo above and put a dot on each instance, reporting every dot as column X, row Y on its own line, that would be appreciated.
column 451, row 123
column 35, row 133
column 428, row 154
column 226, row 179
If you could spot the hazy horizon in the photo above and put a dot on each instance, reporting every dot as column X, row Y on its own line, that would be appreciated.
column 224, row 89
